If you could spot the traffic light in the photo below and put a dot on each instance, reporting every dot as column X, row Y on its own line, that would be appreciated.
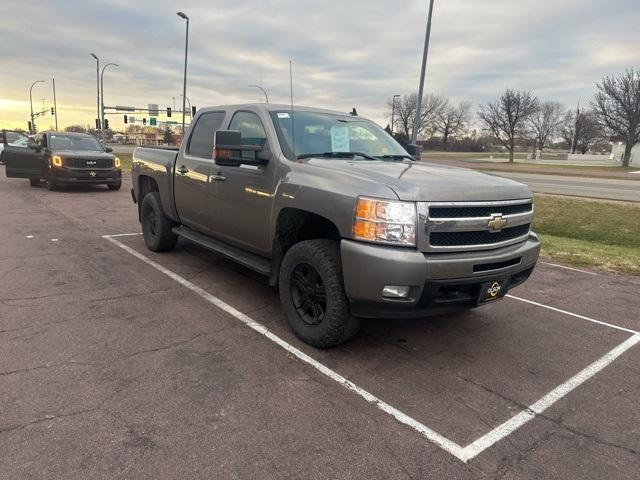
column 168, row 111
column 97, row 124
column 30, row 126
column 126, row 119
column 106, row 124
column 144, row 121
column 53, row 111
column 193, row 111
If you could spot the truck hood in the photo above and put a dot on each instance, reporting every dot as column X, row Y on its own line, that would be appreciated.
column 422, row 181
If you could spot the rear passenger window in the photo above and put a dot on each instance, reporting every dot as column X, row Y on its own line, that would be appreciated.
column 201, row 141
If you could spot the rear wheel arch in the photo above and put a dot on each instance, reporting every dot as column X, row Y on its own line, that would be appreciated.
column 146, row 185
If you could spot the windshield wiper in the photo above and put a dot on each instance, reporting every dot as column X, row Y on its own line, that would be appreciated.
column 396, row 157
column 338, row 155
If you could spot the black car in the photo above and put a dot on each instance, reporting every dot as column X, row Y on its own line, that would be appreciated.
column 62, row 158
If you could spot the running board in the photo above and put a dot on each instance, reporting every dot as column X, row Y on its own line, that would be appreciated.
column 247, row 259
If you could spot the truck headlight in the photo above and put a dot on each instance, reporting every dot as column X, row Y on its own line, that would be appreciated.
column 56, row 161
column 385, row 221
column 116, row 162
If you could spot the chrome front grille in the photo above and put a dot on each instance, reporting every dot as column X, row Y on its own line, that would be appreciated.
column 468, row 226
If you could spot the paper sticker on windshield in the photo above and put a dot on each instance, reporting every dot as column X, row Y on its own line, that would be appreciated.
column 283, row 115
column 340, row 138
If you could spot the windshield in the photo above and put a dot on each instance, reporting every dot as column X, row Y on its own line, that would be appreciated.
column 322, row 133
column 73, row 142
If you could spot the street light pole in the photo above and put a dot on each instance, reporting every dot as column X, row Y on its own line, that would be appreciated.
column 102, row 89
column 184, row 84
column 55, row 105
column 33, row 125
column 416, row 123
column 266, row 97
column 393, row 110
column 188, row 103
column 99, row 126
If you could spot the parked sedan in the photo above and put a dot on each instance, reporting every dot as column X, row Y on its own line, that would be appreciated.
column 62, row 158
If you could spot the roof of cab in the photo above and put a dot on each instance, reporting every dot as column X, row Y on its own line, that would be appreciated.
column 271, row 107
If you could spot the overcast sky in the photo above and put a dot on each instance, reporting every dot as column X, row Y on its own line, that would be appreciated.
column 345, row 53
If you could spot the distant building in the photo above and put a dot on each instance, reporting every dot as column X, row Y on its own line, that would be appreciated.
column 120, row 138
column 617, row 153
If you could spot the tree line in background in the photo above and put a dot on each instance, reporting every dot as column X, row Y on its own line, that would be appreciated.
column 519, row 118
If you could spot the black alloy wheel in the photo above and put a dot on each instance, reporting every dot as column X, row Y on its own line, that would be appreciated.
column 308, row 294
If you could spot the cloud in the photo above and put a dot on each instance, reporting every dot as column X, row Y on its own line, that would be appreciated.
column 345, row 54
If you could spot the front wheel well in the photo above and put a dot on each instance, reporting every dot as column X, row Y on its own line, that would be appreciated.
column 295, row 225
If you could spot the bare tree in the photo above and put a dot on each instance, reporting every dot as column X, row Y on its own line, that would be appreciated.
column 580, row 130
column 452, row 120
column 617, row 107
column 405, row 112
column 545, row 122
column 506, row 117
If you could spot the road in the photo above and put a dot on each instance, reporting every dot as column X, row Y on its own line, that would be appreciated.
column 611, row 189
column 117, row 362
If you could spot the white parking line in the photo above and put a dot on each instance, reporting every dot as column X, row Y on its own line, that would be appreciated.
column 463, row 453
column 122, row 235
column 569, row 268
column 576, row 315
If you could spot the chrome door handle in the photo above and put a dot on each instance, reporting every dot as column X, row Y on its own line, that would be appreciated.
column 183, row 170
column 218, row 178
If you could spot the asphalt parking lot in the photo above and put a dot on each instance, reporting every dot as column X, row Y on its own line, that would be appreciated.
column 116, row 362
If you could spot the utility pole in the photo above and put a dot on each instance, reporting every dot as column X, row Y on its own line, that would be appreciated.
column 55, row 106
column 99, row 125
column 416, row 123
column 184, row 84
column 393, row 110
column 33, row 125
column 102, row 90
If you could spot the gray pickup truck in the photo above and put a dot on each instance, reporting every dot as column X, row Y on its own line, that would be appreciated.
column 337, row 214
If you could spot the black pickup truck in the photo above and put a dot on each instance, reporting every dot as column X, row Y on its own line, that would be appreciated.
column 62, row 158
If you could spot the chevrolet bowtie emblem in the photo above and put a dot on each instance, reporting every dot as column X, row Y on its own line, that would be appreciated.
column 497, row 222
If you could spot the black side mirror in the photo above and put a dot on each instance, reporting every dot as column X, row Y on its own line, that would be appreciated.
column 31, row 144
column 108, row 149
column 227, row 149
column 415, row 151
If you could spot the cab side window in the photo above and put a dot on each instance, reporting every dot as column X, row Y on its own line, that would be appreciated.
column 41, row 140
column 250, row 127
column 252, row 131
column 201, row 141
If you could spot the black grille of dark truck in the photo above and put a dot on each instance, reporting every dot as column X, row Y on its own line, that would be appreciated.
column 88, row 163
column 469, row 226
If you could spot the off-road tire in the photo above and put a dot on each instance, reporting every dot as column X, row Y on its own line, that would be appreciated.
column 337, row 325
column 114, row 186
column 156, row 226
column 34, row 182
